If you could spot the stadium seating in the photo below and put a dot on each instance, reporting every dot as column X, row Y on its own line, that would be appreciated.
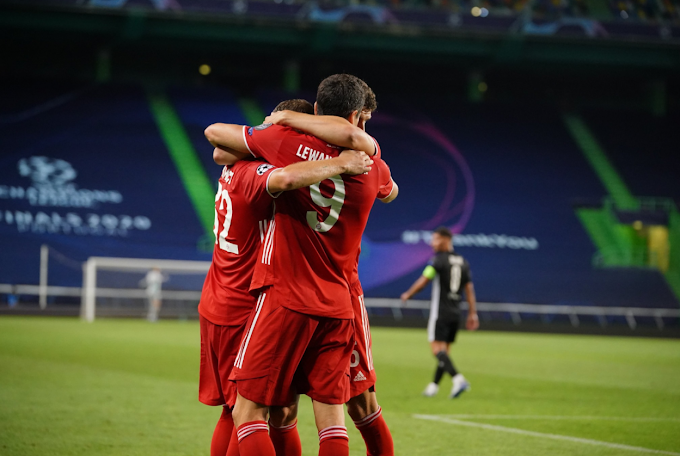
column 106, row 134
column 641, row 143
column 507, row 180
column 200, row 108
column 527, row 175
column 615, row 18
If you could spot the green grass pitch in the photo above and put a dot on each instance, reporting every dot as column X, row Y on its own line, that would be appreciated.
column 122, row 387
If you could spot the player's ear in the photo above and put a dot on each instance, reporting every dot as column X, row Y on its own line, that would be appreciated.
column 316, row 111
column 354, row 118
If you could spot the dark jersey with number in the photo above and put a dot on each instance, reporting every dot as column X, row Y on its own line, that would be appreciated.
column 453, row 273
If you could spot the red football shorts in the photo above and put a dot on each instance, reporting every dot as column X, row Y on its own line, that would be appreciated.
column 361, row 372
column 219, row 347
column 285, row 353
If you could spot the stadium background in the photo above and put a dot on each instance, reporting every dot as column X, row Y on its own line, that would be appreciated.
column 544, row 132
column 531, row 128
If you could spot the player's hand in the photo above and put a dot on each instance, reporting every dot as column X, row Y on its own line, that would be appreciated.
column 404, row 297
column 472, row 322
column 276, row 118
column 364, row 117
column 356, row 162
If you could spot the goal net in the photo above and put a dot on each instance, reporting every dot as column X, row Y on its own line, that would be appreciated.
column 129, row 287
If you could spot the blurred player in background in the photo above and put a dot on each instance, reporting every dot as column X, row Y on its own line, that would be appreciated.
column 301, row 336
column 450, row 275
column 243, row 210
column 153, row 281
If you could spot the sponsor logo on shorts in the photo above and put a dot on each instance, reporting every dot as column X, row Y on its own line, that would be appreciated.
column 360, row 377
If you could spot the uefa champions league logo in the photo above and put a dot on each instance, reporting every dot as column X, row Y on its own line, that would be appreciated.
column 53, row 185
column 45, row 171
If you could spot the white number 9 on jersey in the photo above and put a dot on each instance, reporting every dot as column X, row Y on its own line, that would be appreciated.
column 335, row 202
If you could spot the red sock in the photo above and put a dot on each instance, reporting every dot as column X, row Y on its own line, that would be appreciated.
column 286, row 440
column 233, row 444
column 333, row 441
column 253, row 439
column 376, row 434
column 222, row 433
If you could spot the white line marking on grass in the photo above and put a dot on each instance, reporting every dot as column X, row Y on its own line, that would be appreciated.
column 493, row 427
column 561, row 417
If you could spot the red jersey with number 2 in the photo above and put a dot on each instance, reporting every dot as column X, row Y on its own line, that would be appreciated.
column 243, row 211
column 312, row 247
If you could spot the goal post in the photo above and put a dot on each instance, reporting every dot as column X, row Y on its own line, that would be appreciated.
column 94, row 265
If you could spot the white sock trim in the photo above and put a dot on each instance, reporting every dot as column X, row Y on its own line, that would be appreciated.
column 368, row 419
column 333, row 432
column 245, row 431
column 283, row 428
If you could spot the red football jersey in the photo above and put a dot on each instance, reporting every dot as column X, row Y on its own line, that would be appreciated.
column 384, row 191
column 312, row 248
column 243, row 211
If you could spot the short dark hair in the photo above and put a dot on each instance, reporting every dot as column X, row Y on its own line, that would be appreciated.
column 444, row 231
column 370, row 101
column 340, row 95
column 297, row 105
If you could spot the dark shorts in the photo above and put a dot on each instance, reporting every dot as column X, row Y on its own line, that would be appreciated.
column 444, row 330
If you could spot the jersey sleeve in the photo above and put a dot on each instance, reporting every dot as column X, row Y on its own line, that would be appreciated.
column 255, row 181
column 386, row 183
column 433, row 267
column 429, row 272
column 264, row 141
column 378, row 151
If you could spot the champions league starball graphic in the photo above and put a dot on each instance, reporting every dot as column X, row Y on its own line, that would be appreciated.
column 52, row 203
column 45, row 171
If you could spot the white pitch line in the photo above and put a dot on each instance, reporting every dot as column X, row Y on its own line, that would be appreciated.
column 561, row 417
column 493, row 427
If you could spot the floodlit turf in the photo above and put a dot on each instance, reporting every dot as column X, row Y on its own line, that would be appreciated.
column 121, row 387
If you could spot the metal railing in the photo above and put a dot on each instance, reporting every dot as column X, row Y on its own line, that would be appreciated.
column 517, row 312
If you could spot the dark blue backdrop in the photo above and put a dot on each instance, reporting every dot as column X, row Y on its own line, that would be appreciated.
column 505, row 179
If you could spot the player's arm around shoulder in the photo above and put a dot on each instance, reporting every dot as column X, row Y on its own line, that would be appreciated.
column 229, row 143
column 304, row 174
column 226, row 156
column 332, row 129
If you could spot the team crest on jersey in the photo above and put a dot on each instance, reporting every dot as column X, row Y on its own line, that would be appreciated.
column 264, row 168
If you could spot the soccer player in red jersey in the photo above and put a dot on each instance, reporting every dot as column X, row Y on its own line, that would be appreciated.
column 363, row 406
column 243, row 209
column 300, row 337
